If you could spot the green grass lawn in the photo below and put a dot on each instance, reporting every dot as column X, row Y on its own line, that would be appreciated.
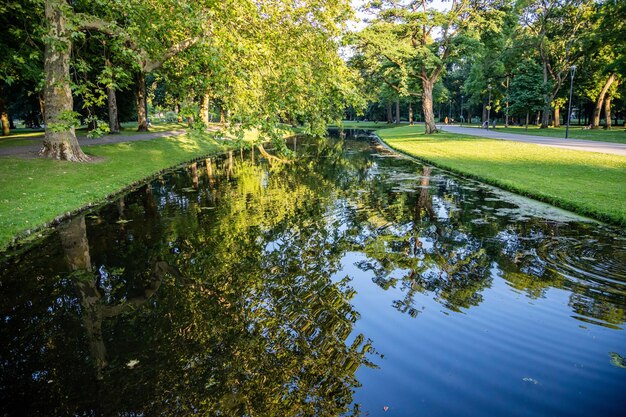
column 592, row 184
column 615, row 135
column 33, row 192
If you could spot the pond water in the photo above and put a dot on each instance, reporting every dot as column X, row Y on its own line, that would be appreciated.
column 350, row 281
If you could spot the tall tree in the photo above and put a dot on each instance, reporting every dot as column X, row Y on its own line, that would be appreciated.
column 557, row 28
column 438, row 37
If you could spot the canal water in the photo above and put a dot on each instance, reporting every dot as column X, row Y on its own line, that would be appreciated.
column 351, row 281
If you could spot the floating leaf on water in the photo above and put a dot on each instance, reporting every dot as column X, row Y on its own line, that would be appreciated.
column 132, row 363
column 94, row 217
column 123, row 221
column 208, row 208
column 617, row 360
column 530, row 380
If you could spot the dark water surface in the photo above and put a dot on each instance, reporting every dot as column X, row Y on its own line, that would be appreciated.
column 350, row 281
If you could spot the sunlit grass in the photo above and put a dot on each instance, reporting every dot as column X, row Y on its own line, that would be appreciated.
column 615, row 135
column 586, row 182
column 33, row 192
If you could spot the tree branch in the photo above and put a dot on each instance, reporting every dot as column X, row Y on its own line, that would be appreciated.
column 149, row 65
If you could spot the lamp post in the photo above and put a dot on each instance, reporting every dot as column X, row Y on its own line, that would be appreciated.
column 569, row 107
column 461, row 110
column 489, row 107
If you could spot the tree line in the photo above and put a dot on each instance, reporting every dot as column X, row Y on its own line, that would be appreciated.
column 259, row 64
column 256, row 63
column 515, row 58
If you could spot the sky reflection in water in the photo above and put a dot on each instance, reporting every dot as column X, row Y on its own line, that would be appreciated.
column 350, row 281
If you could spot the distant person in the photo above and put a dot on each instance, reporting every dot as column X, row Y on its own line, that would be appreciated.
column 445, row 120
column 493, row 124
column 485, row 125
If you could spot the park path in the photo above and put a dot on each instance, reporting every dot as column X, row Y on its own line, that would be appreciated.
column 575, row 144
column 33, row 150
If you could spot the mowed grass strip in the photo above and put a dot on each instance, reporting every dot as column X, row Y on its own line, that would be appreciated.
column 33, row 192
column 588, row 183
column 615, row 135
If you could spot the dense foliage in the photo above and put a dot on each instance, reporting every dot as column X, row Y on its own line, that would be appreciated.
column 521, row 53
column 255, row 63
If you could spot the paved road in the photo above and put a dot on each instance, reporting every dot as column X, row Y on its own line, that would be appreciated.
column 33, row 150
column 575, row 144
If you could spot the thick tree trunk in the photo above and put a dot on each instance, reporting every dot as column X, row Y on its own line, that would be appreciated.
column 140, row 91
column 6, row 128
column 607, row 112
column 114, row 121
column 595, row 123
column 557, row 116
column 12, row 124
column 410, row 114
column 4, row 118
column 60, row 138
column 427, row 107
column 389, row 113
column 204, row 109
column 398, row 111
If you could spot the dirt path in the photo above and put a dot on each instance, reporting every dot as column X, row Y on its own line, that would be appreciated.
column 30, row 151
column 575, row 144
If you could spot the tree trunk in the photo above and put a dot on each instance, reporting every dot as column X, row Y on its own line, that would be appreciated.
column 557, row 116
column 398, row 111
column 545, row 121
column 599, row 102
column 607, row 112
column 389, row 113
column 410, row 114
column 427, row 107
column 4, row 118
column 204, row 109
column 140, row 91
column 114, row 121
column 12, row 124
column 484, row 119
column 6, row 129
column 60, row 138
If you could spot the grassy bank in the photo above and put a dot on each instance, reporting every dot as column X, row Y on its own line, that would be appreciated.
column 615, row 135
column 587, row 183
column 36, row 191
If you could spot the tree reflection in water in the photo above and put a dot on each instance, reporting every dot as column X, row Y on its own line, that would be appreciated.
column 216, row 289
